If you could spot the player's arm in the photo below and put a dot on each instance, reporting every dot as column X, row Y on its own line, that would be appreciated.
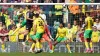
column 22, row 25
column 57, row 33
column 66, row 32
column 85, row 23
column 48, row 32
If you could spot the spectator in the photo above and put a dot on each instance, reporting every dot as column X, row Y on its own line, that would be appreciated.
column 58, row 13
column 69, row 32
column 98, row 14
column 20, row 11
column 2, row 18
column 83, row 7
column 93, row 6
column 93, row 13
column 8, row 21
column 80, row 22
column 10, row 11
column 14, row 37
column 15, row 17
column 95, row 34
column 25, row 11
column 74, row 29
column 74, row 10
column 80, row 35
column 3, row 38
column 97, row 24
column 10, row 26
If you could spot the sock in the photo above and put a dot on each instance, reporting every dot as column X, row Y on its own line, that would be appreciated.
column 86, row 45
column 50, row 45
column 41, row 46
column 38, row 45
column 68, row 47
column 53, row 47
column 3, row 46
column 32, row 47
column 91, row 45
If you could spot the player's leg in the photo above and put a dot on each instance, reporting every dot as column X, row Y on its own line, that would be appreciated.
column 32, row 47
column 58, row 40
column 65, row 40
column 33, row 43
column 46, row 37
column 2, row 45
column 90, row 42
column 37, row 38
column 86, row 36
column 26, row 33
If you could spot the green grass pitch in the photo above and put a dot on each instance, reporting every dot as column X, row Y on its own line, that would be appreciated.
column 49, row 54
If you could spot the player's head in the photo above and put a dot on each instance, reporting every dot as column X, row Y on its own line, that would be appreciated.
column 21, row 9
column 94, row 28
column 36, row 14
column 97, row 20
column 61, row 25
column 13, row 27
column 87, row 13
column 69, row 25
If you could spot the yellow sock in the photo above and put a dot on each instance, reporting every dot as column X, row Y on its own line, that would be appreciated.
column 68, row 47
column 86, row 45
column 53, row 47
column 38, row 45
column 41, row 45
column 3, row 46
column 33, row 45
column 91, row 45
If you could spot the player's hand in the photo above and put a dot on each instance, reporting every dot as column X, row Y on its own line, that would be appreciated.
column 51, row 38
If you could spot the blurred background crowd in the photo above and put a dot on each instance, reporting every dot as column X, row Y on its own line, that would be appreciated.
column 49, row 1
column 72, row 16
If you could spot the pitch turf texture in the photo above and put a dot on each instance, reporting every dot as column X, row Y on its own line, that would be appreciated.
column 49, row 54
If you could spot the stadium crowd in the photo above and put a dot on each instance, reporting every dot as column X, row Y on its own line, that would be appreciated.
column 73, row 17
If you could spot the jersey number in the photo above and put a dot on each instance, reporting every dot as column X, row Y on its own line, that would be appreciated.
column 40, row 23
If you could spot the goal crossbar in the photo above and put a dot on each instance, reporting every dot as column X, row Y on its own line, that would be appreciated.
column 49, row 3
